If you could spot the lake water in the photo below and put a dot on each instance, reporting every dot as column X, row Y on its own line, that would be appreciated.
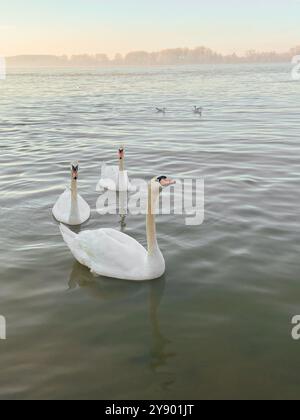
column 218, row 324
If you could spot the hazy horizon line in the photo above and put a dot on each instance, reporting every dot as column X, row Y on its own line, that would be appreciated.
column 180, row 55
column 124, row 54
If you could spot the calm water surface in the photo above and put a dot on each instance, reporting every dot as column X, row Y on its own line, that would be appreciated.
column 218, row 324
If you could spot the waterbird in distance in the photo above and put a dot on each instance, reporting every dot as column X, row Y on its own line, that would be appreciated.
column 161, row 110
column 198, row 110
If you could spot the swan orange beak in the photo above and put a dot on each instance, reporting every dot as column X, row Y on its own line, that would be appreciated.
column 167, row 182
column 121, row 153
column 75, row 172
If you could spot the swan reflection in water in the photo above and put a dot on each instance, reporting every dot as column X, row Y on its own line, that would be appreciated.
column 123, row 203
column 159, row 353
column 118, row 290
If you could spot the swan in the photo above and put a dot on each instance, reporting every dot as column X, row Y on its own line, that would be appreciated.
column 161, row 110
column 110, row 253
column 115, row 178
column 71, row 208
column 198, row 110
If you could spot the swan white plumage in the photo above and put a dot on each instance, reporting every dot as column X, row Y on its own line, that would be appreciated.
column 70, row 207
column 115, row 178
column 110, row 253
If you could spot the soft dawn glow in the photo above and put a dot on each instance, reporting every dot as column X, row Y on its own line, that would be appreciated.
column 111, row 26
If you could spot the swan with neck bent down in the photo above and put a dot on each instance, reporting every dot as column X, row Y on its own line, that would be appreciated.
column 70, row 207
column 110, row 253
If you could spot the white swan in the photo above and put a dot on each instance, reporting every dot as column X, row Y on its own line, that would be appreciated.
column 110, row 253
column 71, row 208
column 115, row 178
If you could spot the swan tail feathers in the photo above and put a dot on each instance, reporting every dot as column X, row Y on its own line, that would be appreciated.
column 68, row 236
column 71, row 239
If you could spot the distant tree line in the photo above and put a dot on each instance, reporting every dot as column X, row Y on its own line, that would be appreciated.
column 199, row 55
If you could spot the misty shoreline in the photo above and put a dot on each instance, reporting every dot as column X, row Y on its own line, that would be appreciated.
column 177, row 56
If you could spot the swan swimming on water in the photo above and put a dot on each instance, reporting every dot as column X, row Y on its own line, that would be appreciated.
column 110, row 253
column 198, row 110
column 161, row 110
column 71, row 208
column 115, row 178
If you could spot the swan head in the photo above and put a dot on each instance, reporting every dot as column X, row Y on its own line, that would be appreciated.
column 165, row 181
column 160, row 182
column 157, row 184
column 74, row 170
column 121, row 152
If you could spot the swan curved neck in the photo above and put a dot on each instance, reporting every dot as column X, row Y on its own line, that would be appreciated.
column 74, row 214
column 74, row 190
column 151, row 223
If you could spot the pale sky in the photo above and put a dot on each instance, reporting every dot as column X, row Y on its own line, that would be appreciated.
column 112, row 26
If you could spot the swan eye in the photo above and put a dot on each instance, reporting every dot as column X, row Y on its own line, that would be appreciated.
column 160, row 178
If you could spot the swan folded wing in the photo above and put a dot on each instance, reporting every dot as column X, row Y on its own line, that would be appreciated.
column 106, row 184
column 114, row 180
column 73, row 242
column 109, row 178
column 110, row 172
column 84, row 208
column 112, row 253
column 131, row 187
column 62, row 209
